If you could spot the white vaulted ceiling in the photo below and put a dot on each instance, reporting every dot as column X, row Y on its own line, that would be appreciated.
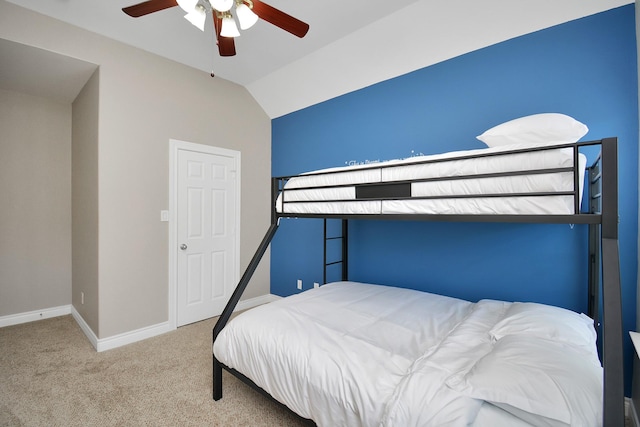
column 350, row 44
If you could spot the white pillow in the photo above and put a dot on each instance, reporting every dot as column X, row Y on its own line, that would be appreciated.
column 535, row 129
column 539, row 381
column 545, row 321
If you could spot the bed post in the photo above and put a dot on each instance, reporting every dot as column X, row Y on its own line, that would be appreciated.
column 595, row 243
column 233, row 301
column 593, row 305
column 345, row 249
column 613, row 410
column 242, row 285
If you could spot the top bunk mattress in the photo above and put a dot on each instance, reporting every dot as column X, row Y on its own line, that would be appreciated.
column 508, row 180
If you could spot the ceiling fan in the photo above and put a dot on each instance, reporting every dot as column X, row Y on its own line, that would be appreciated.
column 246, row 11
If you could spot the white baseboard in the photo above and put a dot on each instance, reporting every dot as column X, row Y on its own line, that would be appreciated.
column 102, row 344
column 30, row 316
column 93, row 339
column 132, row 336
column 630, row 412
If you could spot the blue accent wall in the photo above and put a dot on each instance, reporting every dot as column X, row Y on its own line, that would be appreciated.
column 584, row 68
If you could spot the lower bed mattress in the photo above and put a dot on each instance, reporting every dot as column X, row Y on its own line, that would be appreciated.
column 354, row 354
column 462, row 182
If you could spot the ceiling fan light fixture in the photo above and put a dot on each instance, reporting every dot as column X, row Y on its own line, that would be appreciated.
column 221, row 5
column 229, row 27
column 197, row 16
column 225, row 27
column 187, row 5
column 245, row 15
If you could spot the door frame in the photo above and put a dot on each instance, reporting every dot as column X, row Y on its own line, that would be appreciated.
column 175, row 146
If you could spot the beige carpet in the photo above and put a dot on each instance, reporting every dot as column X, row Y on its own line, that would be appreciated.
column 50, row 375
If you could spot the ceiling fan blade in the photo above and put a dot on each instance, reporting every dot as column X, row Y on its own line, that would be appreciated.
column 150, row 6
column 226, row 45
column 280, row 19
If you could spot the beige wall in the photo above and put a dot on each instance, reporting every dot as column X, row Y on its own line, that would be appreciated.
column 144, row 101
column 84, row 203
column 35, row 200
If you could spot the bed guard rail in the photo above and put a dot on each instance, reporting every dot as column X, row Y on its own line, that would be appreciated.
column 399, row 190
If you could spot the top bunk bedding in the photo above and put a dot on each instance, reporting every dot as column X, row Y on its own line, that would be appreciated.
column 532, row 167
column 516, row 179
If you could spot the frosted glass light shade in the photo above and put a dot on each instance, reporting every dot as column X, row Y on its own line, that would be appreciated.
column 229, row 28
column 197, row 17
column 221, row 5
column 187, row 5
column 246, row 17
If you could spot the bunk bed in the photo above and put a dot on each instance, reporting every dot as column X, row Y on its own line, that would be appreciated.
column 530, row 183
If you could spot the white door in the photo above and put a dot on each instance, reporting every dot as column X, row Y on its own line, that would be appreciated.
column 206, row 234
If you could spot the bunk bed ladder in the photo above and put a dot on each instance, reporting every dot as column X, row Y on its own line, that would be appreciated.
column 343, row 237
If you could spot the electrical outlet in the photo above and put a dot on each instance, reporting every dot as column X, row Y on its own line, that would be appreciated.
column 299, row 283
column 316, row 284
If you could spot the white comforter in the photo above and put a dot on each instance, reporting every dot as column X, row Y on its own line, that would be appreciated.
column 352, row 354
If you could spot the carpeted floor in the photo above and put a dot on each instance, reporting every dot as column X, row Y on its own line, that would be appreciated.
column 50, row 375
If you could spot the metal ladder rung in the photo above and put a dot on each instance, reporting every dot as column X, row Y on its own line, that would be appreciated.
column 344, row 251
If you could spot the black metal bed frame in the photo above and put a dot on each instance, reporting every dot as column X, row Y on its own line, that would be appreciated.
column 604, row 264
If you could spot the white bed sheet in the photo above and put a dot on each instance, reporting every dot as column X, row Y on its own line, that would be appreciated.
column 342, row 198
column 353, row 354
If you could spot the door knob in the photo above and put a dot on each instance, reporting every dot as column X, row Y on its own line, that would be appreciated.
column 183, row 246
